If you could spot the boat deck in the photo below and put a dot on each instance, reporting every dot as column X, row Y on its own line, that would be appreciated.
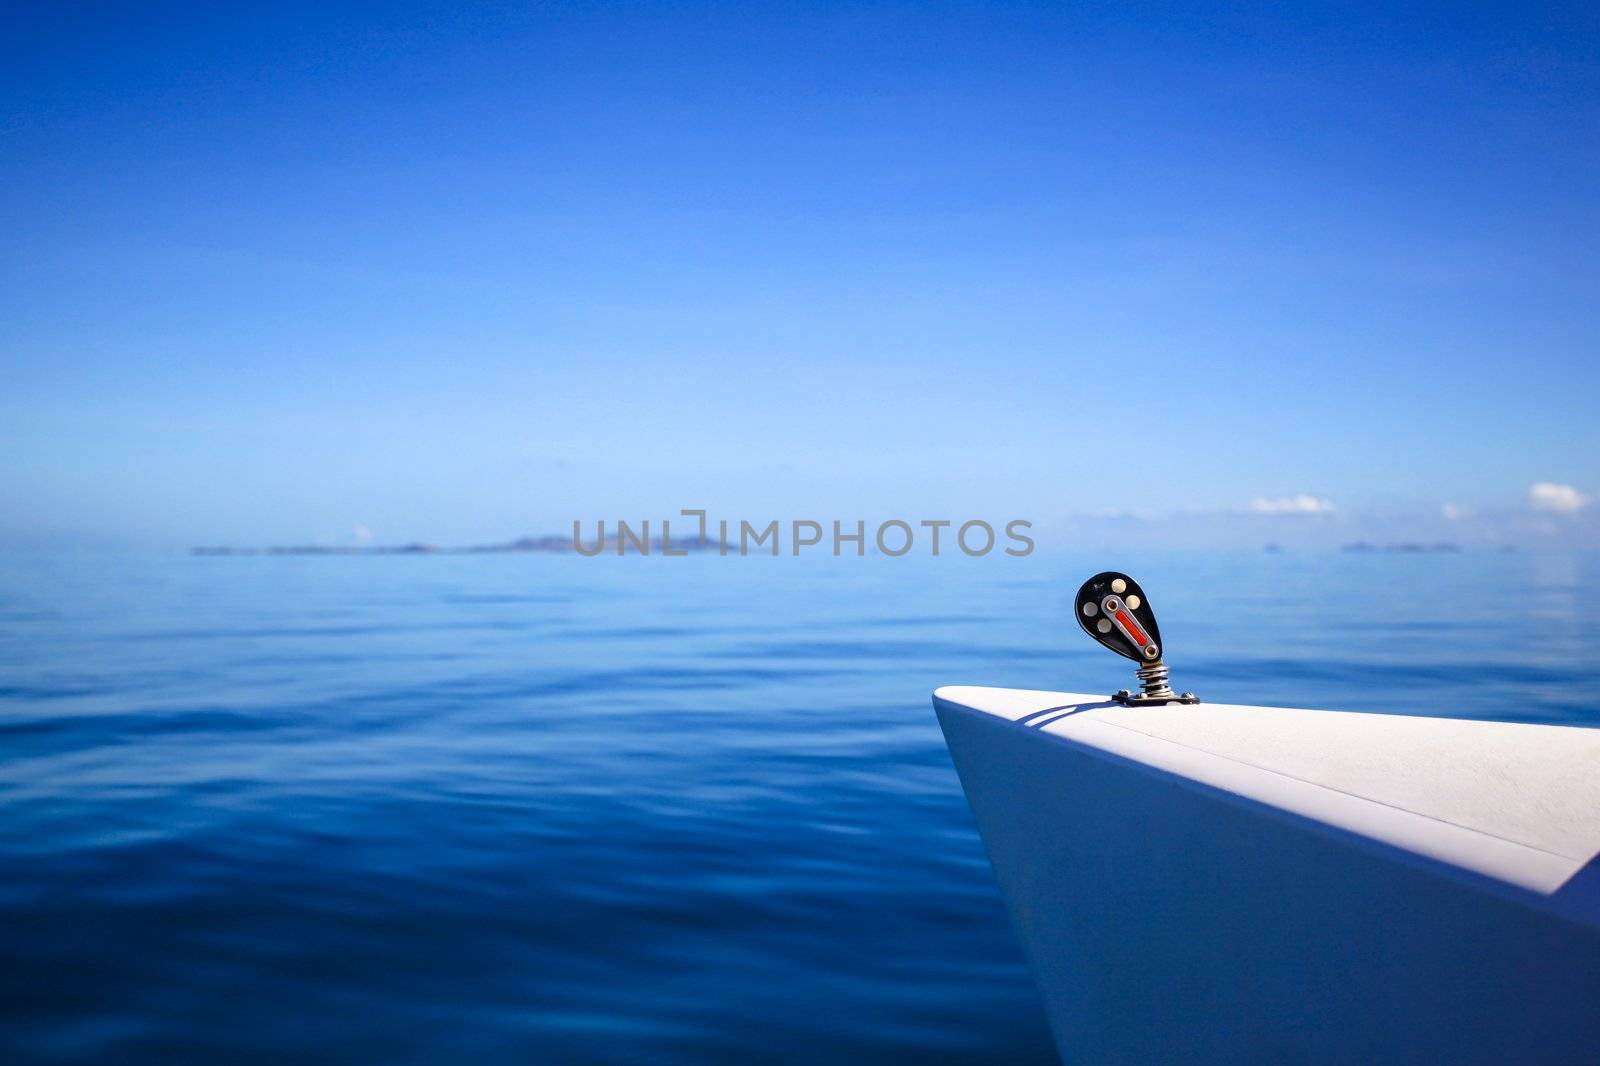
column 1216, row 883
column 1512, row 801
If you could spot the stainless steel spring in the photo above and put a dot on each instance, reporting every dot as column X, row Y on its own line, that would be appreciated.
column 1153, row 681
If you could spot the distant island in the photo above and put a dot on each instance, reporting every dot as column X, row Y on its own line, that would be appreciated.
column 555, row 544
column 551, row 544
column 1408, row 548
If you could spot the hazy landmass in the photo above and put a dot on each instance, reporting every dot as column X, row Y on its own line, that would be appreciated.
column 551, row 544
column 555, row 544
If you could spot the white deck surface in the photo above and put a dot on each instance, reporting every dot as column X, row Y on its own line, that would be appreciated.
column 1514, row 801
column 1215, row 883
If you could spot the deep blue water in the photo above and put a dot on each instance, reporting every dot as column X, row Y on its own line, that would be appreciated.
column 554, row 809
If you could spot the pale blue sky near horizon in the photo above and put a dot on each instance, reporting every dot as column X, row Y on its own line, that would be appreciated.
column 458, row 273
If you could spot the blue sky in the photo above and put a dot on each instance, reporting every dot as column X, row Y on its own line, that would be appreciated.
column 434, row 273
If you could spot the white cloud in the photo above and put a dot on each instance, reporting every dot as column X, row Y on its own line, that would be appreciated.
column 1452, row 513
column 1305, row 503
column 1556, row 499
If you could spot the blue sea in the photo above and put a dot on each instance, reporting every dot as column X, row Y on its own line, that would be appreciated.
column 552, row 809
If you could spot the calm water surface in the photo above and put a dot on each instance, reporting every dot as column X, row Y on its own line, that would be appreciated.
column 551, row 809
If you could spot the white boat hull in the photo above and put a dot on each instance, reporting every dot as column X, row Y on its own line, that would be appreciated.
column 1238, row 884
